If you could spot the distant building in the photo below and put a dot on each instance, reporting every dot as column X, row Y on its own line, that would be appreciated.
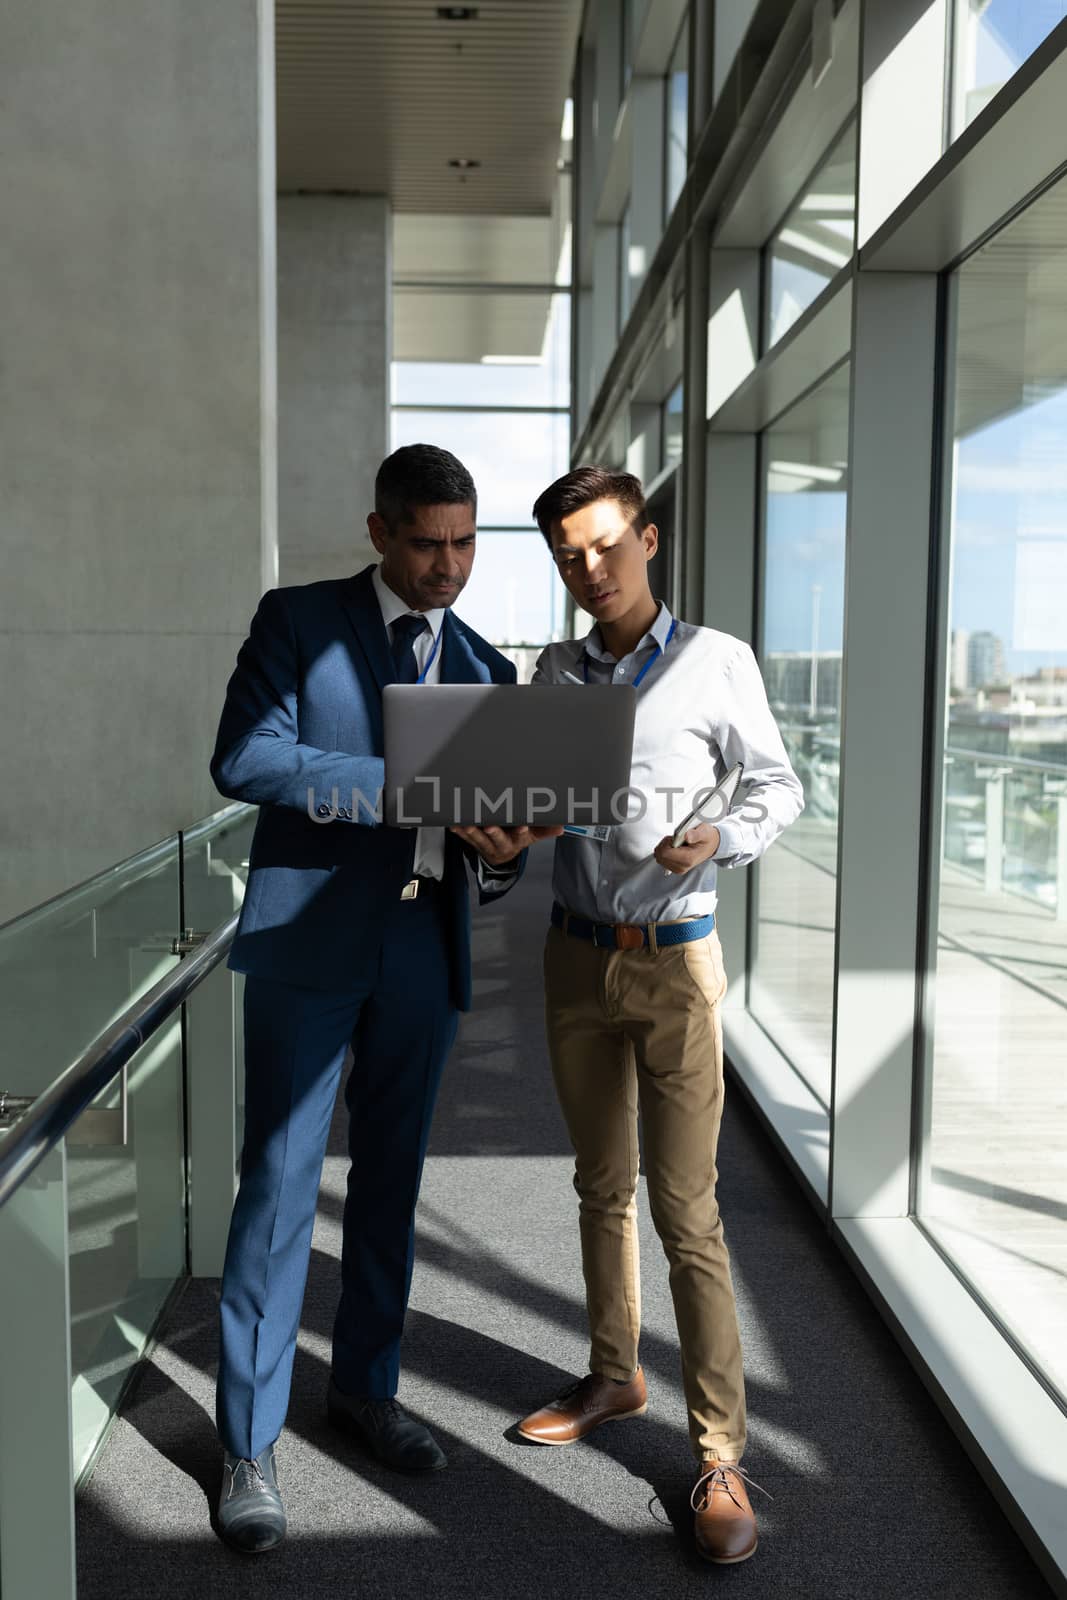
column 985, row 660
column 1046, row 687
column 787, row 675
column 959, row 667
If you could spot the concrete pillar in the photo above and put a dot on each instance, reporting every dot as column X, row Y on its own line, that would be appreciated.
column 904, row 66
column 137, row 410
column 606, row 20
column 646, row 181
column 733, row 333
column 894, row 403
column 644, row 450
column 697, row 312
column 334, row 346
column 605, row 330
column 731, row 25
column 733, row 494
column 585, row 197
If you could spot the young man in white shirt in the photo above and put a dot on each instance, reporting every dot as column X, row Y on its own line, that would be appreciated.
column 634, row 979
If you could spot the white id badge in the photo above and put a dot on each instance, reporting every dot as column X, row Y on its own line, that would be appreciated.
column 600, row 832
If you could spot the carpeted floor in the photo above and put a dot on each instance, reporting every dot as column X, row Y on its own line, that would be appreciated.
column 873, row 1497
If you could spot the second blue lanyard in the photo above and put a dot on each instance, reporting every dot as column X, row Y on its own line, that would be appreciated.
column 653, row 658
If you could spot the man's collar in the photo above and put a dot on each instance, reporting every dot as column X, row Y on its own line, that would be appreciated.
column 393, row 607
column 657, row 634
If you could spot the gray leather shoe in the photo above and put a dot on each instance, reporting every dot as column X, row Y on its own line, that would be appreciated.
column 386, row 1430
column 251, row 1517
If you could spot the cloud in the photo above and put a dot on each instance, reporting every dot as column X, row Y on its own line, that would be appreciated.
column 1012, row 477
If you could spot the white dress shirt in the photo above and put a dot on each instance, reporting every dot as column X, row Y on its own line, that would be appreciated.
column 701, row 707
column 430, row 842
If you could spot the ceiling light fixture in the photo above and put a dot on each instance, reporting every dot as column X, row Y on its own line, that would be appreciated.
column 464, row 163
column 457, row 13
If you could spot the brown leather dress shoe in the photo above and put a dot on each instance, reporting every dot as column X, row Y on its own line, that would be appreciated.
column 725, row 1524
column 583, row 1406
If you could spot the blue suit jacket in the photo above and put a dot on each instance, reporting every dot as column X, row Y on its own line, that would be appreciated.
column 303, row 713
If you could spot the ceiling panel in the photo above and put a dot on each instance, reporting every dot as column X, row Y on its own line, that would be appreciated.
column 436, row 326
column 377, row 96
column 483, row 250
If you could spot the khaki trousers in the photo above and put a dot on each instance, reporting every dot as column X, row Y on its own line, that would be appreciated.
column 631, row 1029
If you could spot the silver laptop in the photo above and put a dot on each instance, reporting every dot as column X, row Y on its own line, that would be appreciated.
column 503, row 754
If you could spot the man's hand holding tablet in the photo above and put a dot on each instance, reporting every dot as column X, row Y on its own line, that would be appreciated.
column 694, row 840
column 698, row 845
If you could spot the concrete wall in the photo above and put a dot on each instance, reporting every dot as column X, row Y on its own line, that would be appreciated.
column 137, row 415
column 334, row 346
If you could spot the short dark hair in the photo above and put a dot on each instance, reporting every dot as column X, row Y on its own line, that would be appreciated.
column 420, row 475
column 581, row 488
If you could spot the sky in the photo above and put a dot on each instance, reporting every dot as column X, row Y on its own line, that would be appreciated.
column 1008, row 32
column 1008, row 571
column 1009, row 562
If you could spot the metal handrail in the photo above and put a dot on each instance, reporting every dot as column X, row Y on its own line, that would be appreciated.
column 993, row 757
column 120, row 875
column 218, row 822
column 25, row 1145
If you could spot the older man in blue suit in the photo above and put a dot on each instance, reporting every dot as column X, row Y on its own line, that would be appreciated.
column 352, row 933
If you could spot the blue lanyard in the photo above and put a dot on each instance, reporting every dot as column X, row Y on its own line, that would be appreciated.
column 433, row 653
column 653, row 658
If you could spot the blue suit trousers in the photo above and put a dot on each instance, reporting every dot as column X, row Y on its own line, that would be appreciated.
column 400, row 1019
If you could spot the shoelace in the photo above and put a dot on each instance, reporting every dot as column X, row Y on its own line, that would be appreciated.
column 717, row 1474
column 587, row 1383
column 248, row 1475
column 380, row 1409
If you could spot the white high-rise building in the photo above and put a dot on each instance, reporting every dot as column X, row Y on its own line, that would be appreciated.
column 959, row 675
column 985, row 659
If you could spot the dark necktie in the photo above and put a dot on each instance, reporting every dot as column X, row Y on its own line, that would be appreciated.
column 405, row 631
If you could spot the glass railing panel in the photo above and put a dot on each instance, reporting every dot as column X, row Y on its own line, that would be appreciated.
column 67, row 971
column 64, row 967
column 126, row 1219
column 1006, row 824
column 216, row 854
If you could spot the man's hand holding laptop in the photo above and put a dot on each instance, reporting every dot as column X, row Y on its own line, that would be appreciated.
column 498, row 846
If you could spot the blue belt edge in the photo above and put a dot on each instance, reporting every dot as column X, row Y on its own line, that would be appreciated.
column 582, row 928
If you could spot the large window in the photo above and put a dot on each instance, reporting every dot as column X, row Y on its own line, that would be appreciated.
column 993, row 1178
column 626, row 50
column 672, row 423
column 497, row 395
column 814, row 242
column 993, row 39
column 802, row 618
column 623, row 270
column 676, row 117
